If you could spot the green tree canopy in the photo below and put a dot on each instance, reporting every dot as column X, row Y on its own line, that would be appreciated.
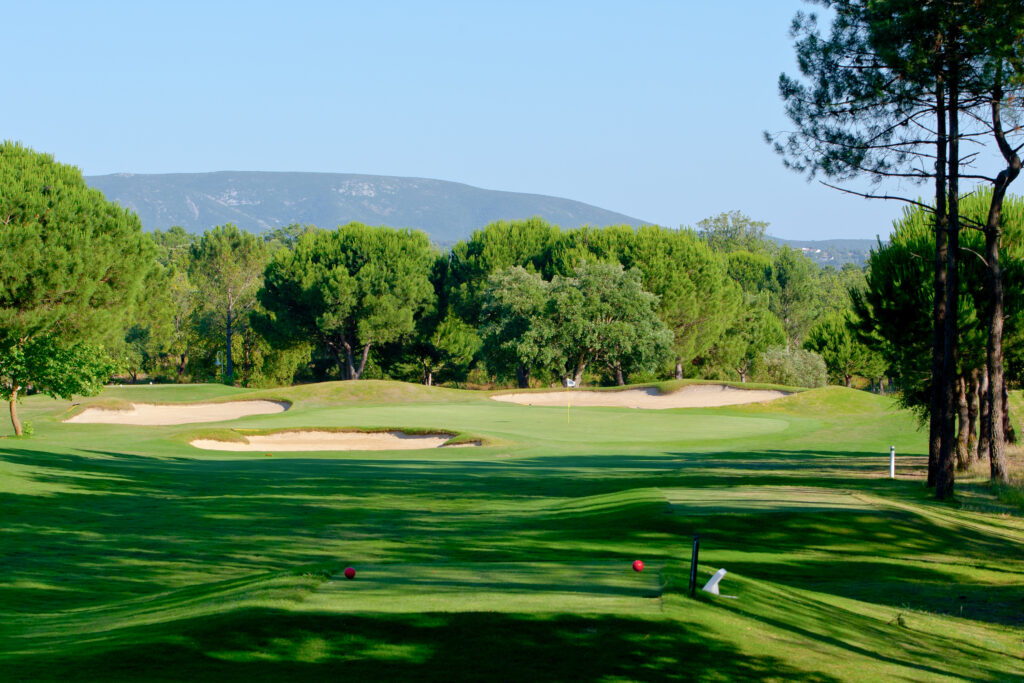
column 752, row 272
column 226, row 268
column 791, row 285
column 602, row 315
column 696, row 299
column 843, row 354
column 499, row 245
column 892, row 313
column 752, row 332
column 71, row 264
column 734, row 231
column 516, row 335
column 347, row 289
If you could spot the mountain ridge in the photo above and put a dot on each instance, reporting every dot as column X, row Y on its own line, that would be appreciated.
column 262, row 200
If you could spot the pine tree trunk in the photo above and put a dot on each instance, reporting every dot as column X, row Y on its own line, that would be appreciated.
column 998, row 409
column 182, row 362
column 679, row 368
column 945, row 480
column 229, row 369
column 994, row 347
column 522, row 376
column 972, row 414
column 846, row 380
column 984, row 417
column 429, row 381
column 938, row 286
column 619, row 380
column 1008, row 432
column 15, row 422
column 350, row 363
column 963, row 453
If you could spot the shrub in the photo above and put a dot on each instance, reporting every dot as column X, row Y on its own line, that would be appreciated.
column 792, row 367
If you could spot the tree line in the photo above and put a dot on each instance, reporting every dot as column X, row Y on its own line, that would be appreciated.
column 518, row 302
column 924, row 92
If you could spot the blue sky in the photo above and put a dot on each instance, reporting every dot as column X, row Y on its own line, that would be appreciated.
column 653, row 109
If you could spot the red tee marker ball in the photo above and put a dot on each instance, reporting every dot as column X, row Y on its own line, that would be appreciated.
column 638, row 566
column 350, row 573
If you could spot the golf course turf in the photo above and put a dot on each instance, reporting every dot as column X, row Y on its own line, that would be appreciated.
column 129, row 555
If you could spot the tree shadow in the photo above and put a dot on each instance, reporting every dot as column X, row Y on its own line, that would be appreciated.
column 252, row 645
column 119, row 527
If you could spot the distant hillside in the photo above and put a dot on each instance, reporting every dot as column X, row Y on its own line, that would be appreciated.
column 833, row 252
column 257, row 201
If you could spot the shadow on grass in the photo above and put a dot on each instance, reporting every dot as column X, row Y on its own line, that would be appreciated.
column 928, row 654
column 269, row 645
column 123, row 526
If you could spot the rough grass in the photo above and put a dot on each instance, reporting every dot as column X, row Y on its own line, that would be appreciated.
column 129, row 556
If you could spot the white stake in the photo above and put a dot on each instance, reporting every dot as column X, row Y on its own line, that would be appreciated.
column 892, row 462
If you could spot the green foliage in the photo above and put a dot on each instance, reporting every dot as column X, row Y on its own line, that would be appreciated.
column 878, row 55
column 609, row 244
column 71, row 261
column 603, row 316
column 791, row 286
column 600, row 316
column 792, row 367
column 286, row 237
column 225, row 267
column 752, row 332
column 71, row 265
column 174, row 246
column 499, row 245
column 53, row 367
column 696, row 298
column 347, row 289
column 452, row 346
column 262, row 365
column 844, row 355
column 892, row 315
column 751, row 271
column 697, row 301
column 733, row 231
column 516, row 339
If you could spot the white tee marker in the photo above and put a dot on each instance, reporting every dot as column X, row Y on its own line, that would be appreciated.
column 712, row 585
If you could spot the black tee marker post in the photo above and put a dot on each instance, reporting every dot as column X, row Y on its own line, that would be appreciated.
column 693, row 565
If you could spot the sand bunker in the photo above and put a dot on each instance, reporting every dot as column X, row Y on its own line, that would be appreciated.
column 330, row 441
column 693, row 396
column 151, row 414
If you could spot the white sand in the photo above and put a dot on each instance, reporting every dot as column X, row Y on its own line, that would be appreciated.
column 328, row 441
column 693, row 396
column 151, row 414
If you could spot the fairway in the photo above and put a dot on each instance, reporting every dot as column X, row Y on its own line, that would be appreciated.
column 129, row 555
